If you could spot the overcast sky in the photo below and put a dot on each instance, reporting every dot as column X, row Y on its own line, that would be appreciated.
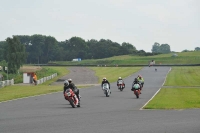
column 139, row 22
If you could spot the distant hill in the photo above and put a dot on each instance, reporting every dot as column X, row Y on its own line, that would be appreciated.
column 181, row 58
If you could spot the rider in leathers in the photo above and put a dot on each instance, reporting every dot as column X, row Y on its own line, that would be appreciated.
column 68, row 84
column 121, row 80
column 135, row 82
column 105, row 81
column 141, row 80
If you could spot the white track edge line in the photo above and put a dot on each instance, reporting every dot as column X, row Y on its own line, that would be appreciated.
column 28, row 97
column 156, row 91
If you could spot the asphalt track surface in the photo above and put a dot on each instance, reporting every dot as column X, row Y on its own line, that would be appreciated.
column 119, row 113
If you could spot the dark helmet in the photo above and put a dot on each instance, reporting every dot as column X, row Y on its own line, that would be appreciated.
column 66, row 83
column 136, row 79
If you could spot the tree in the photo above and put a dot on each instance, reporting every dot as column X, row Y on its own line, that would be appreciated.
column 155, row 48
column 197, row 49
column 2, row 50
column 185, row 50
column 15, row 54
column 129, row 48
column 165, row 48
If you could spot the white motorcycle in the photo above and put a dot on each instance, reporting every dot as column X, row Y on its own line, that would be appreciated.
column 106, row 89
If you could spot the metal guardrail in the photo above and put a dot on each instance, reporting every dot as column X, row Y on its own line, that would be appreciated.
column 6, row 83
column 42, row 80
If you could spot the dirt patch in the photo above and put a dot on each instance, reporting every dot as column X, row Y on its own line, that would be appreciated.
column 80, row 76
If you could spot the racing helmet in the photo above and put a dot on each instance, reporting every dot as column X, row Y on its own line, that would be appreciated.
column 104, row 78
column 69, row 80
column 66, row 83
column 135, row 79
column 120, row 78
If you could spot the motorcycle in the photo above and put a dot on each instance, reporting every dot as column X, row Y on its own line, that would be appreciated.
column 72, row 98
column 120, row 85
column 136, row 90
column 106, row 89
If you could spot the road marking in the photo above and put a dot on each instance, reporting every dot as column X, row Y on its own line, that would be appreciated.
column 156, row 91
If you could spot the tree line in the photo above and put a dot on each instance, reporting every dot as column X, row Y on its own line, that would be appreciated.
column 41, row 49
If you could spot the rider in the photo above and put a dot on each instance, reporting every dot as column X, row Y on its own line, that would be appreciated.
column 120, row 78
column 141, row 80
column 105, row 81
column 135, row 82
column 68, row 84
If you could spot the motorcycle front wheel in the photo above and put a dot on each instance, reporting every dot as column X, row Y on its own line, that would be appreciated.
column 72, row 103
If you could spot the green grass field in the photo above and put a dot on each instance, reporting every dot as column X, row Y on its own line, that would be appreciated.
column 112, row 73
column 175, row 98
column 164, row 59
column 183, row 76
column 185, row 92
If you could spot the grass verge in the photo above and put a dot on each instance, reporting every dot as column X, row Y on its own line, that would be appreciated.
column 175, row 98
column 183, row 76
column 112, row 73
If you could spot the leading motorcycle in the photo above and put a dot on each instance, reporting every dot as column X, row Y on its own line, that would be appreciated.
column 72, row 98
column 106, row 89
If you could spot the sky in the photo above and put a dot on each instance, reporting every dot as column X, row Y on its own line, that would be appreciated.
column 138, row 22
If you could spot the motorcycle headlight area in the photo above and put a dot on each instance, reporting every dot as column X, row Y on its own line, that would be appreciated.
column 68, row 93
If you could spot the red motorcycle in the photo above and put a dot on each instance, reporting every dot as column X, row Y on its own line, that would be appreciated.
column 121, row 85
column 72, row 98
column 136, row 90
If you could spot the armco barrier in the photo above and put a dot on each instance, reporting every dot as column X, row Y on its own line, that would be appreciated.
column 6, row 83
column 42, row 80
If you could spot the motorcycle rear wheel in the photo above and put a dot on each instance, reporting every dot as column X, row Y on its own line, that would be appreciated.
column 137, row 94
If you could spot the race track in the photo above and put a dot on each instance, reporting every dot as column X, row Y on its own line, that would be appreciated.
column 119, row 113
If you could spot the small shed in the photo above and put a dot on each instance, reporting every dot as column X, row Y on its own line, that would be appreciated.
column 27, row 77
column 28, row 71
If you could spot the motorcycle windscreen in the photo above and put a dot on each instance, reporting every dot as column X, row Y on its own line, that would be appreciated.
column 68, row 92
column 136, row 86
column 120, row 82
column 105, row 86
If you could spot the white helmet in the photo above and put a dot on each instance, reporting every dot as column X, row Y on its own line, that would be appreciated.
column 120, row 78
column 69, row 80
column 104, row 78
column 66, row 83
